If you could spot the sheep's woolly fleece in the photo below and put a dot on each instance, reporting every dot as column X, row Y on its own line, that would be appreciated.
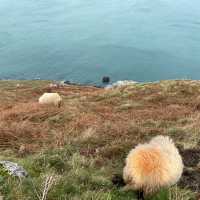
column 153, row 165
column 50, row 98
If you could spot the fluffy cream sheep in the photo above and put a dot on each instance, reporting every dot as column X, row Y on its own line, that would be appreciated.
column 51, row 98
column 153, row 165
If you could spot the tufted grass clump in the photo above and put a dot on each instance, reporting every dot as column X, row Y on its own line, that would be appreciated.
column 74, row 177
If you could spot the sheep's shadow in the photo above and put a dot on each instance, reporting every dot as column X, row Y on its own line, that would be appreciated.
column 191, row 174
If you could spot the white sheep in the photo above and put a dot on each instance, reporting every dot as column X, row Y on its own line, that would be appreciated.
column 51, row 98
column 152, row 166
column 53, row 85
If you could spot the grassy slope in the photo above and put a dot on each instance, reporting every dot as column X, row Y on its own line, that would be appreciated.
column 81, row 145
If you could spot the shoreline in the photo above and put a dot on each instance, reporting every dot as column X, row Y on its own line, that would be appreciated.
column 102, row 85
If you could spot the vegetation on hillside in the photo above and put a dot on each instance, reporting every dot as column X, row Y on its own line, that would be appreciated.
column 73, row 152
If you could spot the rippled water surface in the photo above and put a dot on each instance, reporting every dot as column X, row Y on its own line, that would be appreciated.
column 81, row 40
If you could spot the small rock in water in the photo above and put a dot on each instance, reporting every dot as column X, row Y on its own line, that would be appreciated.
column 67, row 82
column 14, row 169
column 106, row 79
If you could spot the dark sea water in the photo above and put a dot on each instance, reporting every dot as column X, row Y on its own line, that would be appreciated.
column 81, row 41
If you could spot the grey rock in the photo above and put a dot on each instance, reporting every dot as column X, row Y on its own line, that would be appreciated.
column 14, row 169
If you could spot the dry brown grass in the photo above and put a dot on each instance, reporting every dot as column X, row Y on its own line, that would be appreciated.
column 13, row 135
column 114, row 114
column 25, row 124
column 28, row 111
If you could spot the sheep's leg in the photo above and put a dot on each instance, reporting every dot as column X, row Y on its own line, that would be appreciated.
column 140, row 195
column 59, row 104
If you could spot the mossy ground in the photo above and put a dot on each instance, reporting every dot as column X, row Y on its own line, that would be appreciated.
column 79, row 147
